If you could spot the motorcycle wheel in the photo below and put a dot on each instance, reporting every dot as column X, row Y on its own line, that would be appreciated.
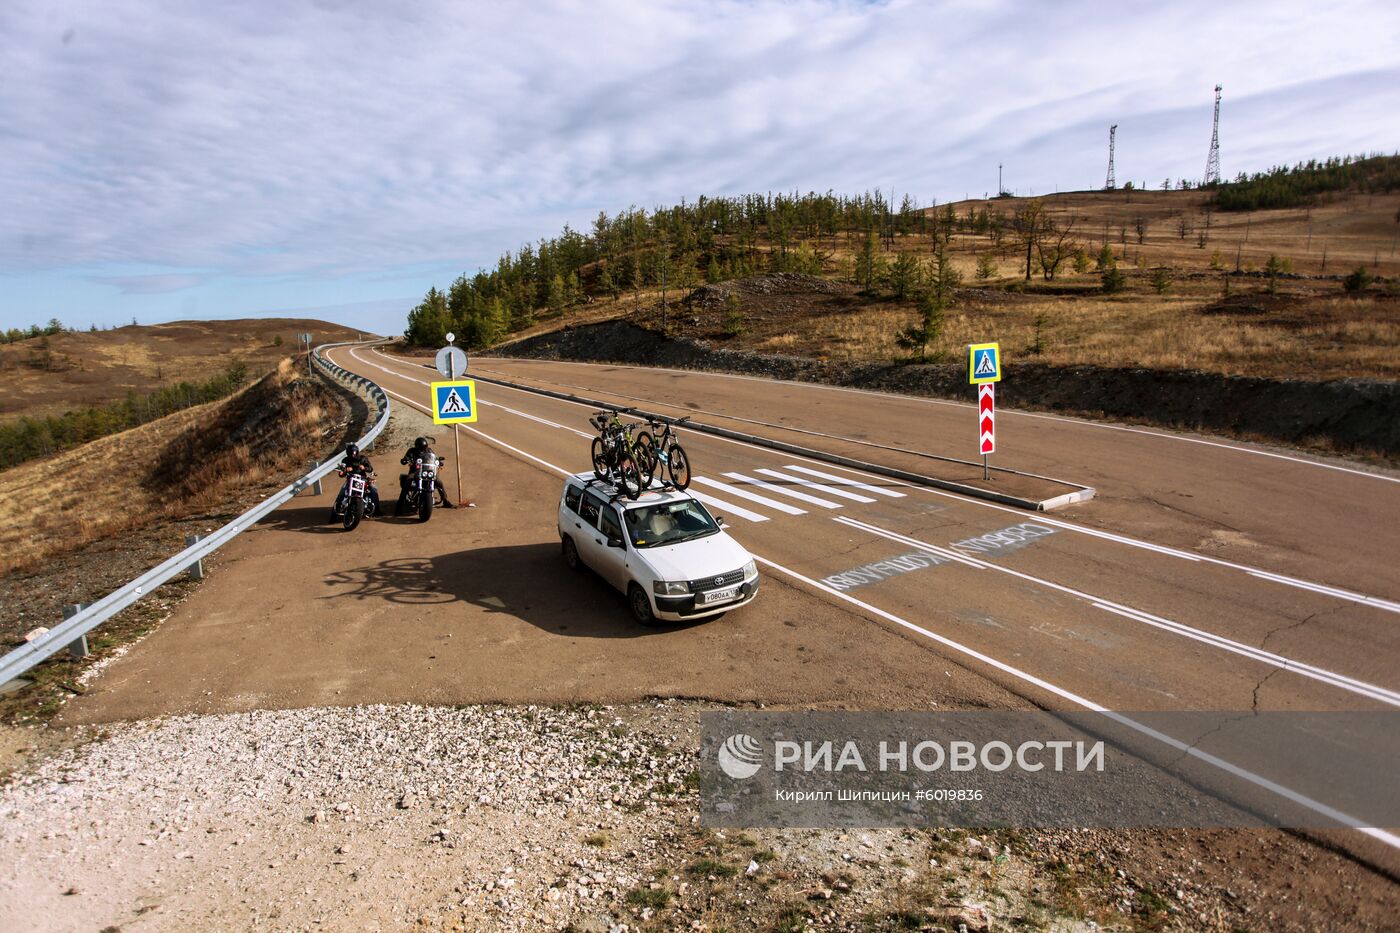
column 425, row 507
column 353, row 513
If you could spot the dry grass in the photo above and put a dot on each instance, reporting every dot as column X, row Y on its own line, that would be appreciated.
column 176, row 466
column 1310, row 329
column 93, row 368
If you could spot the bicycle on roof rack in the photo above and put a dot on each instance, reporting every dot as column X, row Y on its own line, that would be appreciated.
column 664, row 450
column 616, row 457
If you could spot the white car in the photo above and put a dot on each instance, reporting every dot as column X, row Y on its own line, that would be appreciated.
column 664, row 550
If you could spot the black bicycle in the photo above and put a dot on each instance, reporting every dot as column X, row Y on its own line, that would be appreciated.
column 616, row 454
column 666, row 451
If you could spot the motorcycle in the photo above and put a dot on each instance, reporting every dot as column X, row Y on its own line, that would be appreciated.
column 353, row 504
column 417, row 492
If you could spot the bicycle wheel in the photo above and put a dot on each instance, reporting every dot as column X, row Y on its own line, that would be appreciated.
column 678, row 465
column 647, row 461
column 600, row 458
column 629, row 479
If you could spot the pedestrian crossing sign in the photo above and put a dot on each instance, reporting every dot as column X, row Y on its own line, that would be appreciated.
column 983, row 363
column 454, row 402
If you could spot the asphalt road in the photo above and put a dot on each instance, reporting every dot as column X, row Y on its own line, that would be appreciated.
column 1205, row 575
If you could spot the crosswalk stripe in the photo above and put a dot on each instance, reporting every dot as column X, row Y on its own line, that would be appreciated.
column 843, row 481
column 728, row 508
column 729, row 490
column 828, row 490
column 783, row 491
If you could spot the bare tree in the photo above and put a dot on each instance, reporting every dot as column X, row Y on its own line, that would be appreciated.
column 1027, row 223
column 1054, row 244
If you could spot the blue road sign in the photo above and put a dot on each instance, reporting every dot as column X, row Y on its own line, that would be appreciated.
column 983, row 363
column 454, row 402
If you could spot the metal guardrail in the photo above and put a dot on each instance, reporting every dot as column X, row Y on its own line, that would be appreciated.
column 76, row 626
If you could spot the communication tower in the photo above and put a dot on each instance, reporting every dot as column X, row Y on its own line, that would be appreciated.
column 1111, row 184
column 1213, row 160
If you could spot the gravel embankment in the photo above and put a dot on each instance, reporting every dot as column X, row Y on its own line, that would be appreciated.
column 511, row 818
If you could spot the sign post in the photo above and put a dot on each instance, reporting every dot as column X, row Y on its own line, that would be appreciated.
column 984, row 371
column 452, row 407
column 986, row 424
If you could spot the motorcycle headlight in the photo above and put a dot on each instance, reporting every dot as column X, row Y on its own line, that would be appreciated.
column 667, row 588
column 750, row 570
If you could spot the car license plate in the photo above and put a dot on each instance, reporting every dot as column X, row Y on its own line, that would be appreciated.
column 719, row 596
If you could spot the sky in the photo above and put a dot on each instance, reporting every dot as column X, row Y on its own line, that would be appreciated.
column 164, row 160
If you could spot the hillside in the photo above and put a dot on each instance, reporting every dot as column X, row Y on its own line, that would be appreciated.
column 1217, row 311
column 169, row 468
column 74, row 369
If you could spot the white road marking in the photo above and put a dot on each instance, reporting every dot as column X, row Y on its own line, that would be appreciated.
column 735, row 491
column 1331, row 678
column 1009, row 411
column 1380, row 835
column 727, row 507
column 825, row 490
column 1373, row 601
column 1185, row 748
column 843, row 481
column 793, row 493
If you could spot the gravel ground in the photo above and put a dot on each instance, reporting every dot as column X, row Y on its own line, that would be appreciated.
column 574, row 818
column 510, row 818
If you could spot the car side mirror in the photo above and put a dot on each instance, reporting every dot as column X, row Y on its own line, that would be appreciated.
column 719, row 520
column 615, row 542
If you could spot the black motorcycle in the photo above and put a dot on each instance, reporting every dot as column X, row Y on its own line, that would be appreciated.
column 352, row 504
column 416, row 493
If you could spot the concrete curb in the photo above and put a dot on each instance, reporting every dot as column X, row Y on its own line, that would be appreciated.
column 1080, row 493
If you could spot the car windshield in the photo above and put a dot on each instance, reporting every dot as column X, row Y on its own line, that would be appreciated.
column 668, row 523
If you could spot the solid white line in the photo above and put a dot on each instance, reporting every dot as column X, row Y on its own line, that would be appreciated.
column 466, row 427
column 752, row 497
column 1183, row 747
column 1008, row 411
column 1373, row 601
column 1380, row 835
column 727, row 507
column 827, row 490
column 535, row 418
column 842, row 481
column 1331, row 678
column 793, row 493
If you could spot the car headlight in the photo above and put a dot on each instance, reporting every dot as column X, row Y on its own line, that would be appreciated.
column 750, row 570
column 666, row 588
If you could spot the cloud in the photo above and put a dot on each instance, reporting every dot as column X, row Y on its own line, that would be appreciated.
column 149, row 284
column 332, row 139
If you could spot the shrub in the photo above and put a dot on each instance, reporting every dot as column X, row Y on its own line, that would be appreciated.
column 1358, row 280
column 733, row 324
column 1161, row 279
column 1112, row 279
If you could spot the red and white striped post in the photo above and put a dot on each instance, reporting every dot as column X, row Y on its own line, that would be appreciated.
column 986, row 424
column 983, row 370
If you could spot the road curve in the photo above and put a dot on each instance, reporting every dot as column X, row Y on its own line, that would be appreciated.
column 879, row 595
